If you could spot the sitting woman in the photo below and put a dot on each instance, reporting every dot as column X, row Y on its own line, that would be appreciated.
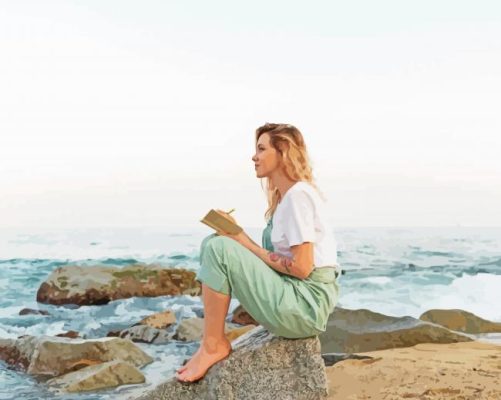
column 290, row 284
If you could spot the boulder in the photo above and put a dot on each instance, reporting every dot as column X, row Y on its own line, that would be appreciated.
column 461, row 321
column 94, row 285
column 350, row 331
column 261, row 366
column 54, row 356
column 99, row 376
column 16, row 357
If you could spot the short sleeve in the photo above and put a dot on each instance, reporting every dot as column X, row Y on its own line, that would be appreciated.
column 299, row 218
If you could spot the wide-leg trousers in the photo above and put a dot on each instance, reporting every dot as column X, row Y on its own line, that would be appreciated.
column 284, row 305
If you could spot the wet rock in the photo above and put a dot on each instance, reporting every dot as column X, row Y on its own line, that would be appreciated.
column 95, row 285
column 16, row 358
column 31, row 311
column 351, row 331
column 69, row 334
column 54, row 356
column 99, row 376
column 261, row 366
column 461, row 321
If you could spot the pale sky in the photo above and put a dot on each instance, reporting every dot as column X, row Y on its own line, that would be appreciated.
column 126, row 113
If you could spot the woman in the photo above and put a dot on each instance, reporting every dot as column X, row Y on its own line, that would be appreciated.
column 290, row 284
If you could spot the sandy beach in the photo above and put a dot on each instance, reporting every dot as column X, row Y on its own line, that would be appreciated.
column 460, row 371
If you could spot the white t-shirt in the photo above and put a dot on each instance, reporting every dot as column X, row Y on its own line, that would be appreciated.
column 301, row 217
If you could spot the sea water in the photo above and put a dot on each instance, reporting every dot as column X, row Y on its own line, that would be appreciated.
column 394, row 271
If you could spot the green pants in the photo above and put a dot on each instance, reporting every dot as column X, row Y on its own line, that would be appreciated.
column 285, row 305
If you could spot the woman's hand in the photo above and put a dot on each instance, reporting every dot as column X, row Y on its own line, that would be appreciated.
column 226, row 215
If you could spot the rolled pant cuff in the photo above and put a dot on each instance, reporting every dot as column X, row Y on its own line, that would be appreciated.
column 214, row 280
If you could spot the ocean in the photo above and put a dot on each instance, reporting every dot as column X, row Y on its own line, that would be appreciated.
column 394, row 271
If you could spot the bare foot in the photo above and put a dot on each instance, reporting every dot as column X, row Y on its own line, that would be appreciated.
column 202, row 360
column 183, row 367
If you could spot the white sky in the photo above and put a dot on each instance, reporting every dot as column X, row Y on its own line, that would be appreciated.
column 122, row 113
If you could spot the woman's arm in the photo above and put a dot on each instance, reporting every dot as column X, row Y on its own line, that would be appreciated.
column 298, row 265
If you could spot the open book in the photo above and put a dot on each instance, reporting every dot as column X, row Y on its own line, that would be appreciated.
column 220, row 222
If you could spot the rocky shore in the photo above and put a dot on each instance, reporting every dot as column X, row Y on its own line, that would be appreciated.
column 362, row 354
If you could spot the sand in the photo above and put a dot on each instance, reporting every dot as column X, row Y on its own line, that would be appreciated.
column 465, row 371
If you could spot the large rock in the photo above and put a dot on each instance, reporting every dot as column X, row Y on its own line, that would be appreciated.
column 94, row 285
column 350, row 331
column 261, row 366
column 460, row 320
column 54, row 356
column 99, row 376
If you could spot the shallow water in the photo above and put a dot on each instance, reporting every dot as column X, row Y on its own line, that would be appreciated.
column 404, row 271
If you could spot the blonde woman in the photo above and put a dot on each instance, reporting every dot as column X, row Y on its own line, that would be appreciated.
column 289, row 284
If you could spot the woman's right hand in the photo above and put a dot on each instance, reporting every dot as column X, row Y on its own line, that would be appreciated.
column 225, row 214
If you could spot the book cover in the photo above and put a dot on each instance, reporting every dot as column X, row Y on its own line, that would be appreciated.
column 218, row 221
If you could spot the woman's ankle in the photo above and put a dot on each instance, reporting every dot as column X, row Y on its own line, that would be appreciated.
column 213, row 344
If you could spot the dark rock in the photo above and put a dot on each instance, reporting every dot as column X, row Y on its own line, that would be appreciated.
column 69, row 334
column 28, row 311
column 352, row 331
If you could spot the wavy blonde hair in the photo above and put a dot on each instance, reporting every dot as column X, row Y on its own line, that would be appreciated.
column 289, row 143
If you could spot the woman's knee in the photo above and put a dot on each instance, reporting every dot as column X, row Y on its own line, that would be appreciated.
column 215, row 243
column 205, row 241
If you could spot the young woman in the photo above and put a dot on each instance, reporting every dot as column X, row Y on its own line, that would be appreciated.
column 289, row 285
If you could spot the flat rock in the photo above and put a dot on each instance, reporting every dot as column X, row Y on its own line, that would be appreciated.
column 160, row 320
column 351, row 331
column 99, row 376
column 461, row 321
column 147, row 334
column 95, row 285
column 54, row 356
column 261, row 366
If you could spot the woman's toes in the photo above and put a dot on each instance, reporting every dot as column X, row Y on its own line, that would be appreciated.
column 181, row 369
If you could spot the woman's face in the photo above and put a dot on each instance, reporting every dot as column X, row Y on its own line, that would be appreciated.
column 267, row 158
